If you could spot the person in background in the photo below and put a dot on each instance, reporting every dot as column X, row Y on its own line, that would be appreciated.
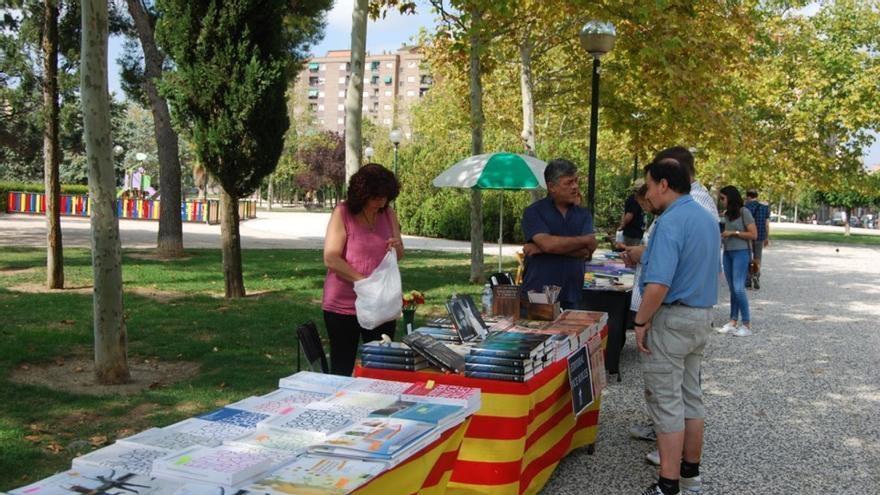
column 633, row 221
column 361, row 230
column 679, row 288
column 761, row 213
column 559, row 236
column 739, row 231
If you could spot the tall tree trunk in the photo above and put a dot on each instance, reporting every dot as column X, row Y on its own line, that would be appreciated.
column 51, row 148
column 270, row 193
column 528, row 101
column 846, row 224
column 477, row 119
column 170, row 238
column 232, row 273
column 111, row 362
column 355, row 96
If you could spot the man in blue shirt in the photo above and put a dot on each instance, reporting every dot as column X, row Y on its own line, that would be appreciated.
column 679, row 287
column 761, row 213
column 559, row 236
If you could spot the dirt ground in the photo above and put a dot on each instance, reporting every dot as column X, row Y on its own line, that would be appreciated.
column 77, row 375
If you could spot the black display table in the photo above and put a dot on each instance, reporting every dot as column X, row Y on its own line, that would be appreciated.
column 615, row 302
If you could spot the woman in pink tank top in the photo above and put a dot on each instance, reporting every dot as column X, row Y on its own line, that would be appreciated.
column 361, row 230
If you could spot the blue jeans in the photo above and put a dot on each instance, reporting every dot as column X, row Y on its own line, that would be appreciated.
column 736, row 269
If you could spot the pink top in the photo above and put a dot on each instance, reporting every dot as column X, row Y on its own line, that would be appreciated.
column 364, row 250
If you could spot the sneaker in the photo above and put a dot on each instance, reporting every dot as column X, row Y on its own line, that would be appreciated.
column 655, row 490
column 742, row 331
column 727, row 328
column 691, row 486
column 756, row 283
column 653, row 457
column 643, row 432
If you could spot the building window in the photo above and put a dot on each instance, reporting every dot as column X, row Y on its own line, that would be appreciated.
column 389, row 65
column 320, row 94
column 386, row 121
column 341, row 106
column 313, row 93
column 376, row 106
column 341, row 94
column 374, row 80
column 321, row 108
column 374, row 65
column 410, row 93
column 426, row 80
column 344, row 67
column 422, row 92
column 341, row 80
column 412, row 63
column 388, row 92
column 313, row 67
column 387, row 107
column 313, row 107
column 313, row 81
column 411, row 79
column 323, row 67
column 340, row 120
column 389, row 80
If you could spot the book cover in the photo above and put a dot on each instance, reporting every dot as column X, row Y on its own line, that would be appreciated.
column 373, row 386
column 131, row 459
column 466, row 317
column 468, row 397
column 236, row 417
column 387, row 412
column 109, row 481
column 311, row 474
column 212, row 431
column 443, row 334
column 497, row 376
column 373, row 438
column 318, row 418
column 287, row 442
column 278, row 402
column 315, row 382
column 367, row 400
column 436, row 414
column 395, row 366
column 226, row 465
column 435, row 352
column 168, row 439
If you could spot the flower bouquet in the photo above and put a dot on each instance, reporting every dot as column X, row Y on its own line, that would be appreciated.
column 411, row 300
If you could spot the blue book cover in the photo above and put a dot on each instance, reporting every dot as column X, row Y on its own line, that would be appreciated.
column 428, row 412
column 245, row 419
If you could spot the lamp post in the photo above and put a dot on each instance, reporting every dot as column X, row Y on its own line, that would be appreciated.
column 396, row 136
column 597, row 38
column 368, row 152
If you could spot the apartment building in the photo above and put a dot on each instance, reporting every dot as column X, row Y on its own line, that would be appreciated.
column 393, row 83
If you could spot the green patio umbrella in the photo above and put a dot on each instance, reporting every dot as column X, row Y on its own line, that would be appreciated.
column 501, row 171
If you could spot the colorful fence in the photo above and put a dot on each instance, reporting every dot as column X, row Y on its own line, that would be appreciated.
column 135, row 209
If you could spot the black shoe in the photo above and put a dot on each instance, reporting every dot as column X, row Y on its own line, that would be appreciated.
column 756, row 284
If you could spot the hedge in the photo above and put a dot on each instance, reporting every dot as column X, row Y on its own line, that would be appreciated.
column 7, row 186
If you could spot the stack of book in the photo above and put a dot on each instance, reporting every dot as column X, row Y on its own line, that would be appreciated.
column 443, row 334
column 510, row 356
column 435, row 352
column 330, row 436
column 392, row 356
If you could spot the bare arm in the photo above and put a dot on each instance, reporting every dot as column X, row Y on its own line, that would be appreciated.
column 334, row 244
column 767, row 240
column 627, row 218
column 566, row 246
column 396, row 241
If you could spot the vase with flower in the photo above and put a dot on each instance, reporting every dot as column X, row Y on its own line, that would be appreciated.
column 411, row 300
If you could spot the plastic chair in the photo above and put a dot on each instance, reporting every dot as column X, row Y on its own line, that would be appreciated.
column 309, row 342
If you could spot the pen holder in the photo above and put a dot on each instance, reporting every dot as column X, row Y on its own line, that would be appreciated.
column 543, row 311
column 505, row 300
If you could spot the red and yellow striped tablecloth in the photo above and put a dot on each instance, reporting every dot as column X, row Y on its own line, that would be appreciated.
column 425, row 473
column 520, row 433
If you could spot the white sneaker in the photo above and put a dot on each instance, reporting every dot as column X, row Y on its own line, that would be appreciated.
column 691, row 486
column 643, row 432
column 742, row 331
column 727, row 328
column 653, row 457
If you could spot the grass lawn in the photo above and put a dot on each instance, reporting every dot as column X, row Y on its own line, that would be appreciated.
column 174, row 312
column 829, row 237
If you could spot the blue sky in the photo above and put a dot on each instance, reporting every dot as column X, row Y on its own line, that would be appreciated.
column 389, row 34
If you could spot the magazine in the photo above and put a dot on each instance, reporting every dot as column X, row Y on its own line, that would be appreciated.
column 380, row 439
column 312, row 474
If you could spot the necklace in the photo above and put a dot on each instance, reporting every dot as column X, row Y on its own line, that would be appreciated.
column 371, row 224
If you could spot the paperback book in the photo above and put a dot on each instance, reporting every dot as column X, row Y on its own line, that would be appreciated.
column 312, row 474
column 213, row 433
column 279, row 402
column 373, row 386
column 168, row 439
column 389, row 349
column 468, row 397
column 385, row 358
column 226, row 465
column 109, row 481
column 315, row 382
column 286, row 442
column 436, row 414
column 491, row 368
column 395, row 366
column 366, row 400
column 383, row 439
column 441, row 334
column 499, row 361
column 466, row 318
column 511, row 345
column 131, row 459
column 498, row 376
column 236, row 417
column 435, row 352
column 319, row 418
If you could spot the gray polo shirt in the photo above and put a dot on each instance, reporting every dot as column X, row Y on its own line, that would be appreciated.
column 735, row 243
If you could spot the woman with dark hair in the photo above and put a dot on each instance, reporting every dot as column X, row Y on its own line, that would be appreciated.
column 361, row 230
column 739, row 230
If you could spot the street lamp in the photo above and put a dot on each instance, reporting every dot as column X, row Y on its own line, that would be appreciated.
column 396, row 136
column 597, row 38
column 368, row 152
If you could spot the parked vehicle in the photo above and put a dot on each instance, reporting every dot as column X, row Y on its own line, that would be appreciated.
column 868, row 221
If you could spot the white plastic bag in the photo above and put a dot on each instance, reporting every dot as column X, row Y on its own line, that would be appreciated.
column 379, row 296
column 618, row 237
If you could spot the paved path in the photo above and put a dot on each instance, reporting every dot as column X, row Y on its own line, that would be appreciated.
column 793, row 409
column 270, row 230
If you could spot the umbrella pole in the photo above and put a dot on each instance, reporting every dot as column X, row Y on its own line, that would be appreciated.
column 500, row 229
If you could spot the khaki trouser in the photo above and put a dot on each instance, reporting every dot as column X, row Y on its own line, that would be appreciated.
column 671, row 372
